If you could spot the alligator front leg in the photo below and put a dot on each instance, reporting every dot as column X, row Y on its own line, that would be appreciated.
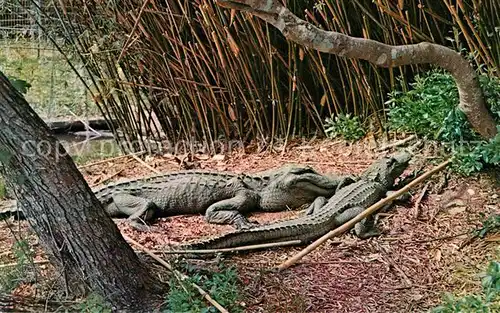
column 344, row 181
column 229, row 211
column 137, row 209
column 318, row 203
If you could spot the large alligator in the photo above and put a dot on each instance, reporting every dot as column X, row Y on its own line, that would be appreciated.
column 323, row 215
column 222, row 197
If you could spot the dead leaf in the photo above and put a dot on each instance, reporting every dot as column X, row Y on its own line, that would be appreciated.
column 203, row 157
column 457, row 210
column 438, row 255
column 323, row 100
column 457, row 202
column 232, row 114
column 219, row 157
column 301, row 54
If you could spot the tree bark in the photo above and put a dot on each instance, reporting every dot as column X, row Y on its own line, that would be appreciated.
column 304, row 33
column 82, row 242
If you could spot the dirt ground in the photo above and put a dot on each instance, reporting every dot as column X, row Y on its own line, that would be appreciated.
column 422, row 253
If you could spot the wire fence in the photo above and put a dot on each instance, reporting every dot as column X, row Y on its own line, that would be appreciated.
column 20, row 17
column 26, row 53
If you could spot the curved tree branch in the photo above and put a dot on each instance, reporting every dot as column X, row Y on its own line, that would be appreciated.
column 304, row 33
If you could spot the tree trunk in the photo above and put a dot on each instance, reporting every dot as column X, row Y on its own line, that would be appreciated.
column 304, row 33
column 82, row 242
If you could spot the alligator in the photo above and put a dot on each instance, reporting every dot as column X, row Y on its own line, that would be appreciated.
column 222, row 197
column 322, row 215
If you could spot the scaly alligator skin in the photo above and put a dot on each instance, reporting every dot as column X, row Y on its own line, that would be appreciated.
column 347, row 202
column 222, row 197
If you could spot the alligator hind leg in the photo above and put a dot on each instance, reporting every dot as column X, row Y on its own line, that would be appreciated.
column 139, row 210
column 229, row 211
column 365, row 228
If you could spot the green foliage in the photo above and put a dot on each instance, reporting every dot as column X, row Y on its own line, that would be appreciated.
column 467, row 161
column 491, row 90
column 93, row 304
column 3, row 190
column 20, row 84
column 430, row 109
column 471, row 157
column 345, row 126
column 490, row 225
column 11, row 277
column 486, row 302
column 222, row 287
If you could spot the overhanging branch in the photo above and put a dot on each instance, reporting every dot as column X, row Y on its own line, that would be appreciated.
column 308, row 35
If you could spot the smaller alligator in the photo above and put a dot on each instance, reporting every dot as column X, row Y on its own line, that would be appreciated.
column 222, row 197
column 347, row 203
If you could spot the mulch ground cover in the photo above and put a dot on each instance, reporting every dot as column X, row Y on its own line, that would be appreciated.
column 425, row 249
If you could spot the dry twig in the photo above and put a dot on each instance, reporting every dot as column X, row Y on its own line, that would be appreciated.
column 362, row 215
column 108, row 177
column 242, row 248
column 111, row 159
column 180, row 276
column 15, row 264
column 145, row 164
column 416, row 207
column 398, row 143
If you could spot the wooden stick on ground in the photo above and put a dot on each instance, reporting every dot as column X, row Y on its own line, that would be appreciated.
column 242, row 248
column 111, row 159
column 416, row 208
column 181, row 277
column 362, row 215
column 397, row 143
column 15, row 264
column 145, row 164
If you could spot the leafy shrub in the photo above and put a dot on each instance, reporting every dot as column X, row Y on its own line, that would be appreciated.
column 491, row 91
column 20, row 84
column 93, row 304
column 490, row 225
column 487, row 301
column 344, row 126
column 473, row 157
column 12, row 277
column 430, row 109
column 222, row 287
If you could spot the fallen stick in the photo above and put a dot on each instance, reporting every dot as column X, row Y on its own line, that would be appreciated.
column 181, row 277
column 108, row 177
column 242, row 248
column 111, row 159
column 362, row 215
column 416, row 208
column 15, row 264
column 146, row 165
column 397, row 143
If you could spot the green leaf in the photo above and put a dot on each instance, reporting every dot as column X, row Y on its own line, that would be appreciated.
column 21, row 85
